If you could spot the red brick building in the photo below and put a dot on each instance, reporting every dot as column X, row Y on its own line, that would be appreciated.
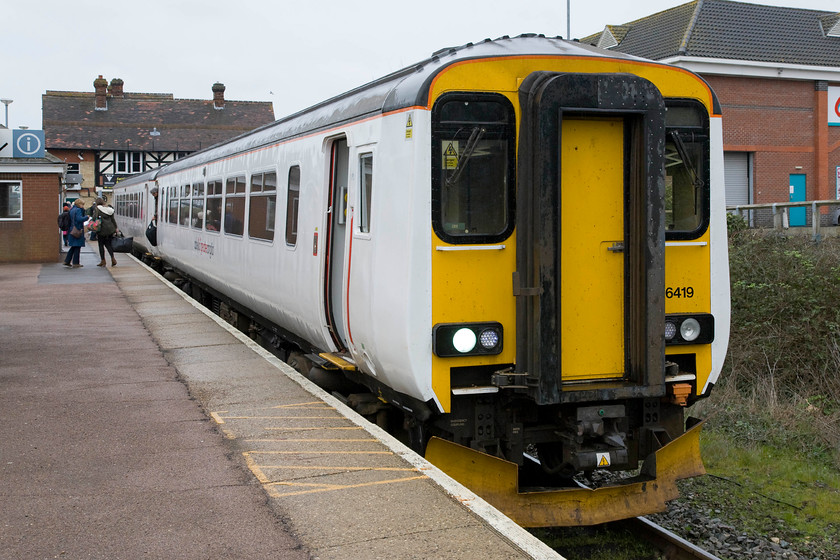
column 30, row 191
column 107, row 134
column 776, row 72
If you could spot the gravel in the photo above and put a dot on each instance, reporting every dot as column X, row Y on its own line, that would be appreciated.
column 703, row 523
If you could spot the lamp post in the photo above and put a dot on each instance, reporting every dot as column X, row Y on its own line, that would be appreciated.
column 568, row 20
column 6, row 103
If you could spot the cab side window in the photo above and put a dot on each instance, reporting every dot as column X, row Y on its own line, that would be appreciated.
column 473, row 172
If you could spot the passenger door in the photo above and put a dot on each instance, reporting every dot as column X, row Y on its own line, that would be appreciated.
column 335, row 250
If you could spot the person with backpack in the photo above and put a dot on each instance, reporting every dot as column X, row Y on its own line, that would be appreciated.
column 107, row 230
column 64, row 222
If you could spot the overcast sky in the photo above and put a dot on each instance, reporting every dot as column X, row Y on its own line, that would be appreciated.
column 293, row 54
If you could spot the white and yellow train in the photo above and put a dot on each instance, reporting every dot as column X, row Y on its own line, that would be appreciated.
column 520, row 244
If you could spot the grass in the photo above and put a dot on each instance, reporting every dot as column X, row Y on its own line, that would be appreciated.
column 772, row 441
column 796, row 496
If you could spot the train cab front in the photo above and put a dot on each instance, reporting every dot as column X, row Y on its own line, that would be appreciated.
column 573, row 342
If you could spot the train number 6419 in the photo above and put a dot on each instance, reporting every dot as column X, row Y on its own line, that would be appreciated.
column 679, row 292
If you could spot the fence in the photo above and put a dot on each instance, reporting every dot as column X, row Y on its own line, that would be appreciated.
column 793, row 217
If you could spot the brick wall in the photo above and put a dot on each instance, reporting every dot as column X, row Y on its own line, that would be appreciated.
column 776, row 121
column 35, row 238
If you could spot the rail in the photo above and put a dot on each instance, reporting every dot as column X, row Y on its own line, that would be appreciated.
column 777, row 215
column 672, row 545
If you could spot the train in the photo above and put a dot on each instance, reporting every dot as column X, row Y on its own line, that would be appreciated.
column 517, row 247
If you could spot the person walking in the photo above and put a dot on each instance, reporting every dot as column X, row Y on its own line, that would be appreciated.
column 77, row 224
column 107, row 230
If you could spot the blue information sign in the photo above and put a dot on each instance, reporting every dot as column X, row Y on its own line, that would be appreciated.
column 28, row 144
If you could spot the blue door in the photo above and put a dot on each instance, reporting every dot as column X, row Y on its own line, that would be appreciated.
column 798, row 216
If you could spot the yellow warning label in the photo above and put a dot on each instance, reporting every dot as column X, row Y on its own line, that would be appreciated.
column 603, row 459
column 409, row 128
column 450, row 156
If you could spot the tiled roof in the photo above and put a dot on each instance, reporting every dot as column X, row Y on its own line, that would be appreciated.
column 71, row 121
column 734, row 30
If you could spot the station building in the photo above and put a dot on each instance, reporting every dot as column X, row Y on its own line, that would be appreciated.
column 107, row 134
column 30, row 193
column 91, row 140
column 776, row 72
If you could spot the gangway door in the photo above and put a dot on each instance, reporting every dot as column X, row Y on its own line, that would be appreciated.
column 590, row 236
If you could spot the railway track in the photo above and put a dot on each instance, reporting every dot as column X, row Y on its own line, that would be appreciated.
column 672, row 545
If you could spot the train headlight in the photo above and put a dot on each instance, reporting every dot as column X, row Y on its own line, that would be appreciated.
column 464, row 340
column 690, row 329
column 467, row 339
column 695, row 328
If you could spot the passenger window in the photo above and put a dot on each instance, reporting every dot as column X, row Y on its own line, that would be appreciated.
column 184, row 210
column 365, row 191
column 173, row 205
column 473, row 168
column 292, row 202
column 234, row 219
column 263, row 206
column 198, row 205
column 686, row 172
column 213, row 221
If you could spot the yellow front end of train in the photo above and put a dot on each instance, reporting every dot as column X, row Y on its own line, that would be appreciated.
column 575, row 296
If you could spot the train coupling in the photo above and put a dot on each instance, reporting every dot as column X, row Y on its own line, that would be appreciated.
column 597, row 441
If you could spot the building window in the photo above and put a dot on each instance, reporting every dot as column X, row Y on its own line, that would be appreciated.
column 129, row 162
column 365, row 191
column 234, row 220
column 11, row 200
column 263, row 204
column 292, row 201
column 136, row 159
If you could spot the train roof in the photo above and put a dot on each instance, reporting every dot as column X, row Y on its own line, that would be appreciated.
column 401, row 89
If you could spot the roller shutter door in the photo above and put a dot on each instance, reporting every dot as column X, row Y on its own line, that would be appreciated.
column 736, row 177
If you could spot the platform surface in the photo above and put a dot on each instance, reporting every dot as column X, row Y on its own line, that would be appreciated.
column 134, row 423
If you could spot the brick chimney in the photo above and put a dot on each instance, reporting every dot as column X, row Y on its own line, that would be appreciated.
column 116, row 88
column 100, row 85
column 218, row 95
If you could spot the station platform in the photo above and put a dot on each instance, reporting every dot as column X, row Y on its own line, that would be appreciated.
column 135, row 423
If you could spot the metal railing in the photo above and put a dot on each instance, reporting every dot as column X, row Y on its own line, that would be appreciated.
column 777, row 215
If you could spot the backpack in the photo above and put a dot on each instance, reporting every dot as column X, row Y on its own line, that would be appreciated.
column 64, row 221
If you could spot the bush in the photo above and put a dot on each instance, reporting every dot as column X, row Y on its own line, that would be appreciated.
column 781, row 371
